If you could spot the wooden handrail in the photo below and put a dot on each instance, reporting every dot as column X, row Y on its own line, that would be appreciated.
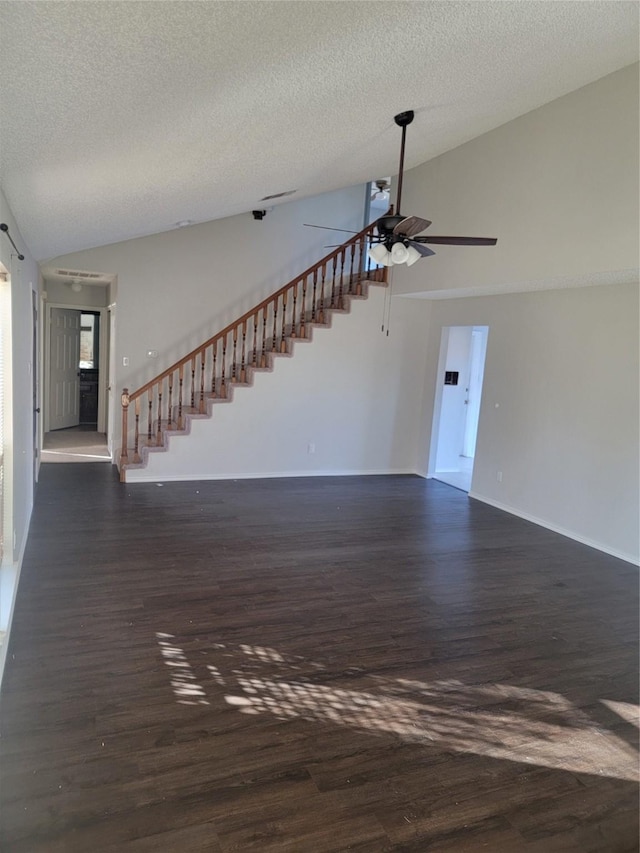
column 287, row 318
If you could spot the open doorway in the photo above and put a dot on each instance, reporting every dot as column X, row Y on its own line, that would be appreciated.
column 75, row 415
column 76, row 370
column 457, row 405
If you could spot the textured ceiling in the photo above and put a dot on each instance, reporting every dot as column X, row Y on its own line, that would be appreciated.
column 120, row 119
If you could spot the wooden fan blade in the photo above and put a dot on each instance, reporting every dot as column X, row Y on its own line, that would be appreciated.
column 328, row 228
column 425, row 251
column 459, row 241
column 411, row 225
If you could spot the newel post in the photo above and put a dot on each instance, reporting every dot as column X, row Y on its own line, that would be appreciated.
column 124, row 454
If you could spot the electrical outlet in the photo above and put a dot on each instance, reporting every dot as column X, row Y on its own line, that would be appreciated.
column 152, row 353
column 499, row 476
column 125, row 361
column 311, row 447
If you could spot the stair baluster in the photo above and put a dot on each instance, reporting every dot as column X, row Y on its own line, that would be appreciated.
column 320, row 315
column 124, row 457
column 150, row 417
column 352, row 255
column 313, row 298
column 263, row 357
column 293, row 312
column 340, row 282
column 223, row 386
column 243, row 369
column 136, row 437
column 180, row 385
column 303, row 309
column 169, row 412
column 203, row 354
column 213, row 372
column 193, row 383
column 254, row 358
column 159, row 423
column 333, row 303
column 235, row 357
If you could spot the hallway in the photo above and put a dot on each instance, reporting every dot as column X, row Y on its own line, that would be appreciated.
column 75, row 444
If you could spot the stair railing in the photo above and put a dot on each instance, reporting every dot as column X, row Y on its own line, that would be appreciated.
column 224, row 359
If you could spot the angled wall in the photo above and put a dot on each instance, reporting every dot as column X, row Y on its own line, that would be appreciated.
column 176, row 289
column 558, row 187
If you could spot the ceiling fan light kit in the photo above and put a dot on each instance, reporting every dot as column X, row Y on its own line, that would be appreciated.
column 380, row 254
column 398, row 240
column 399, row 253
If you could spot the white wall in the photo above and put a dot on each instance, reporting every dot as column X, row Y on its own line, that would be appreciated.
column 19, row 433
column 558, row 187
column 178, row 288
column 95, row 296
column 352, row 391
column 559, row 413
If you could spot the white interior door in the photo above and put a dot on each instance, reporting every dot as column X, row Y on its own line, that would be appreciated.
column 64, row 384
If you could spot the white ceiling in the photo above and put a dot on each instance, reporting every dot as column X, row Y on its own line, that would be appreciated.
column 120, row 119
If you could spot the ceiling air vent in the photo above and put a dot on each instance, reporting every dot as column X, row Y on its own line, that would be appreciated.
column 278, row 195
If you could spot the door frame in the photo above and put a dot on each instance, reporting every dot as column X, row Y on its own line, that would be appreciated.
column 439, row 390
column 110, row 393
column 477, row 361
column 103, row 361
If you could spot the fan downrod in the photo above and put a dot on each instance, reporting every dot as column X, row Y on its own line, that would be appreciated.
column 402, row 120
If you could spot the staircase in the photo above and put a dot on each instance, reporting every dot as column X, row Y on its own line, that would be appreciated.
column 191, row 387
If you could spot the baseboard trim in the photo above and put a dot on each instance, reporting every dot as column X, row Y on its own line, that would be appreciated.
column 555, row 528
column 269, row 475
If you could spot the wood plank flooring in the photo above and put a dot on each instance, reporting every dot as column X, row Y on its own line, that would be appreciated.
column 359, row 664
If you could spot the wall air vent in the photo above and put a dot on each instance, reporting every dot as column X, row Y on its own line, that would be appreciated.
column 78, row 274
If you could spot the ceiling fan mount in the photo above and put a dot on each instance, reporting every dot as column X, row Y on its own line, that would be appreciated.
column 405, row 118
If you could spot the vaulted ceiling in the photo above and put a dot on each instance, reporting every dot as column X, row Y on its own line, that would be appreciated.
column 120, row 119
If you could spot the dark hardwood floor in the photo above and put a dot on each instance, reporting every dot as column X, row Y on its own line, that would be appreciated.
column 310, row 665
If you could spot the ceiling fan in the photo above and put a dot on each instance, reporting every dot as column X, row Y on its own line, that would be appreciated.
column 381, row 192
column 398, row 236
column 398, row 240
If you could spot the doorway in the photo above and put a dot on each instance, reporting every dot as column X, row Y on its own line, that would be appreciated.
column 76, row 384
column 457, row 405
